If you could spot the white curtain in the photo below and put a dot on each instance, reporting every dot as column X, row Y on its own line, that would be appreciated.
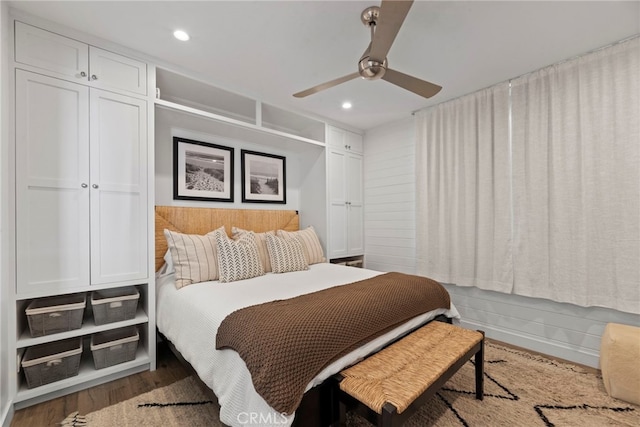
column 463, row 222
column 533, row 186
column 576, row 178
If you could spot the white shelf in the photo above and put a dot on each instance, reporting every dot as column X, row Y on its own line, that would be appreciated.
column 190, row 92
column 201, row 99
column 86, row 374
column 88, row 327
column 291, row 123
column 212, row 116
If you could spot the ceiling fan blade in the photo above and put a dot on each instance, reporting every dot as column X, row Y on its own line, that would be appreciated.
column 326, row 85
column 410, row 83
column 392, row 14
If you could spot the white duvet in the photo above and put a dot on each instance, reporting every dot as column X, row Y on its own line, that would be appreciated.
column 190, row 317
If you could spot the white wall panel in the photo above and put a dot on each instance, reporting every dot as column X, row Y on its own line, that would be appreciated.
column 561, row 330
column 389, row 192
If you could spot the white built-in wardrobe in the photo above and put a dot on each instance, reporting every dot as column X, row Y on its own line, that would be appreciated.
column 82, row 179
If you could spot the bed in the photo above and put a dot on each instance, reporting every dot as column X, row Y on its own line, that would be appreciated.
column 190, row 317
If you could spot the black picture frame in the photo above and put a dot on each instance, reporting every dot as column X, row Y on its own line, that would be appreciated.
column 193, row 180
column 264, row 177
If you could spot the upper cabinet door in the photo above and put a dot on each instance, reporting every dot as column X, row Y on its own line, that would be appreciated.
column 52, row 184
column 71, row 59
column 344, row 140
column 353, row 142
column 52, row 52
column 335, row 138
column 112, row 71
column 118, row 151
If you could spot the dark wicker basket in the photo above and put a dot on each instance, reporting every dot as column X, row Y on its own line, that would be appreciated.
column 113, row 347
column 114, row 305
column 51, row 362
column 51, row 315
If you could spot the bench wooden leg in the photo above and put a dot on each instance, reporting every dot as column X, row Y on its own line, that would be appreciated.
column 480, row 370
column 342, row 417
column 388, row 415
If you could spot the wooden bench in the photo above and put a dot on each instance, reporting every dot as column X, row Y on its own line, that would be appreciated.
column 388, row 387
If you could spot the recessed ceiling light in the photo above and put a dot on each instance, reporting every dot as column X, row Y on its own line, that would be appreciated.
column 346, row 105
column 181, row 35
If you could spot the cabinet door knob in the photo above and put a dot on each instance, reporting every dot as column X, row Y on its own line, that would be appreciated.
column 95, row 185
column 84, row 185
column 83, row 74
column 94, row 77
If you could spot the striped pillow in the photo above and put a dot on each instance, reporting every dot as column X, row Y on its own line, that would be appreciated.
column 286, row 254
column 195, row 257
column 238, row 259
column 310, row 243
column 261, row 240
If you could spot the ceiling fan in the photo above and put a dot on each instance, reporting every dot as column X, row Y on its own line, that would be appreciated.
column 384, row 22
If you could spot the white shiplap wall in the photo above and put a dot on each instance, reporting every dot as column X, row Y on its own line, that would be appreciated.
column 389, row 198
column 561, row 330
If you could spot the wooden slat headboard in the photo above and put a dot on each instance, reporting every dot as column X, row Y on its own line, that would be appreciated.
column 203, row 220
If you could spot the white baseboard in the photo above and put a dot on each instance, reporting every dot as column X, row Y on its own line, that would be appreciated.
column 7, row 416
column 572, row 354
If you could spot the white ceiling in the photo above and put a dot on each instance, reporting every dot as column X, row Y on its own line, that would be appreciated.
column 271, row 49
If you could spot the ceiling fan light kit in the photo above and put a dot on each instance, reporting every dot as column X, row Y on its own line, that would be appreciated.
column 384, row 23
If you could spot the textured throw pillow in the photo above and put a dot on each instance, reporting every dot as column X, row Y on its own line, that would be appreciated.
column 194, row 257
column 238, row 259
column 286, row 254
column 310, row 243
column 261, row 241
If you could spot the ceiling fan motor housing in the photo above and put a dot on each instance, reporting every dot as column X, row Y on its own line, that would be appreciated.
column 370, row 69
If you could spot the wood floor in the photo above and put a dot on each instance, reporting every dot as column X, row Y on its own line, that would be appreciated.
column 169, row 370
column 52, row 412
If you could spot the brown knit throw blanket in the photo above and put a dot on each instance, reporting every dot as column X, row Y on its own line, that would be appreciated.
column 286, row 343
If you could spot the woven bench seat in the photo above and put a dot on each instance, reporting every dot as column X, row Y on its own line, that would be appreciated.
column 394, row 382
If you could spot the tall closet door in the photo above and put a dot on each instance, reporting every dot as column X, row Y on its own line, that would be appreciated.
column 118, row 188
column 52, row 177
column 337, row 204
column 355, row 207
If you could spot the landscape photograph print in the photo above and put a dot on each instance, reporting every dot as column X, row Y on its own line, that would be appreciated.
column 263, row 178
column 202, row 171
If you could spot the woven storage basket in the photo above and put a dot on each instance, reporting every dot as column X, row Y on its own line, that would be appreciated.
column 50, row 362
column 114, row 305
column 51, row 315
column 113, row 347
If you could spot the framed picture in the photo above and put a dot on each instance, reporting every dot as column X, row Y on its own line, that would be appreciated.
column 202, row 171
column 263, row 178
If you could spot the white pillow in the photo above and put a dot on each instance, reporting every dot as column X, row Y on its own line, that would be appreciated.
column 194, row 257
column 167, row 268
column 310, row 243
column 238, row 259
column 261, row 241
column 286, row 254
column 168, row 262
